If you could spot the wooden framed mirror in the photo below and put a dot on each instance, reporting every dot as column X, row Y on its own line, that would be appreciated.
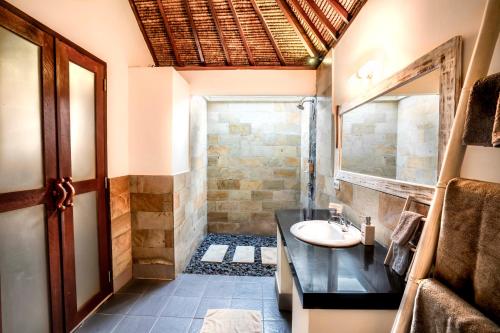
column 393, row 138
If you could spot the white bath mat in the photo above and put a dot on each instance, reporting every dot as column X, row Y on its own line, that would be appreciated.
column 232, row 320
column 244, row 254
column 215, row 253
column 268, row 255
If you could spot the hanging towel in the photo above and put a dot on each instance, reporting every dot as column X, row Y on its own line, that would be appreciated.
column 468, row 250
column 401, row 253
column 495, row 135
column 439, row 310
column 482, row 124
column 408, row 223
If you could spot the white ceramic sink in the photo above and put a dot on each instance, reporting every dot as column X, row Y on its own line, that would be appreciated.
column 319, row 232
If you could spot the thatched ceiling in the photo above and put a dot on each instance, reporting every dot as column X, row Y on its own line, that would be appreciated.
column 201, row 34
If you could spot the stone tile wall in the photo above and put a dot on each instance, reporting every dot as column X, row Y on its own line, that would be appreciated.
column 190, row 190
column 121, row 234
column 253, row 164
column 417, row 143
column 383, row 208
column 151, row 199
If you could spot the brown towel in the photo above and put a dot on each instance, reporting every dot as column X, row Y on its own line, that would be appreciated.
column 408, row 223
column 439, row 310
column 482, row 111
column 495, row 135
column 468, row 252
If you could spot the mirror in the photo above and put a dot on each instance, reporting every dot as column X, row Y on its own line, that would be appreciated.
column 394, row 137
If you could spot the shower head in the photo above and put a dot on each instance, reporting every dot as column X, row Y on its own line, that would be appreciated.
column 304, row 100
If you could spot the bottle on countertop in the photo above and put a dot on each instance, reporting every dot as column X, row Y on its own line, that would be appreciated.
column 367, row 231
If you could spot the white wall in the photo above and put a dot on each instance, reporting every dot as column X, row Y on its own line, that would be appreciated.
column 395, row 33
column 158, row 121
column 251, row 82
column 107, row 29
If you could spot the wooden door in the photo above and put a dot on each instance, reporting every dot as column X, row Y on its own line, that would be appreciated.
column 30, row 274
column 82, row 165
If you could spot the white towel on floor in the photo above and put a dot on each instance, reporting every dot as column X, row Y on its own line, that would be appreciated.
column 231, row 321
column 244, row 254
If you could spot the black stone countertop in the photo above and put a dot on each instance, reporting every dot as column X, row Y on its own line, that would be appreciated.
column 340, row 278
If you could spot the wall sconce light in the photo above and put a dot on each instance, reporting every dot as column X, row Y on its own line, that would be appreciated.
column 368, row 70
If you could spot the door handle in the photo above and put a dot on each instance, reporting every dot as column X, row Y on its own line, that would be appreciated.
column 68, row 182
column 60, row 194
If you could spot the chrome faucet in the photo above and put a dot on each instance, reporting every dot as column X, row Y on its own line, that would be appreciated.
column 339, row 219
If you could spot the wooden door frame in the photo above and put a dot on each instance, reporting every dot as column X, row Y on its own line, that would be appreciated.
column 64, row 55
column 16, row 200
column 21, row 199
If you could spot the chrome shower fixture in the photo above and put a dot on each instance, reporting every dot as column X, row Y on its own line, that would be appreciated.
column 304, row 100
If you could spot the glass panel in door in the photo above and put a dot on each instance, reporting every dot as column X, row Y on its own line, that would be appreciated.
column 21, row 164
column 82, row 117
column 23, row 271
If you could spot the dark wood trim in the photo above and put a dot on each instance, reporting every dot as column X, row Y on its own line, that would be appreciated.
column 268, row 32
column 21, row 24
column 46, row 29
column 219, row 32
column 353, row 15
column 322, row 17
column 65, row 54
column 195, row 32
column 168, row 30
column 229, row 68
column 299, row 30
column 251, row 60
column 307, row 19
column 143, row 31
column 344, row 14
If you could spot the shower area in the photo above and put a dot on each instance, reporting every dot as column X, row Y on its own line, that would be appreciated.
column 260, row 158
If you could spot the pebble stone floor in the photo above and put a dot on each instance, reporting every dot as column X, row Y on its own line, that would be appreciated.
column 227, row 267
column 152, row 306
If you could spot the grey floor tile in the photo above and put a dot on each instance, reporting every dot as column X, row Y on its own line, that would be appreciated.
column 223, row 278
column 252, row 279
column 100, row 323
column 277, row 326
column 137, row 286
column 178, row 306
column 247, row 290
column 211, row 303
column 191, row 287
column 166, row 288
column 198, row 278
column 246, row 304
column 148, row 305
column 118, row 304
column 134, row 324
column 196, row 326
column 172, row 325
column 219, row 289
column 268, row 291
column 272, row 312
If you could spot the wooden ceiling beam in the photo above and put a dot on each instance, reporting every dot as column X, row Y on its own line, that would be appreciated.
column 312, row 26
column 219, row 31
column 268, row 32
column 169, row 32
column 251, row 60
column 299, row 29
column 195, row 33
column 143, row 31
column 322, row 17
column 344, row 14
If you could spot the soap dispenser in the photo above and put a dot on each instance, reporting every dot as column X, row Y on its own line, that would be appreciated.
column 367, row 231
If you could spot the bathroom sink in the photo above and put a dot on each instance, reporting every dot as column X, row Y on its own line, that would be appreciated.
column 320, row 232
